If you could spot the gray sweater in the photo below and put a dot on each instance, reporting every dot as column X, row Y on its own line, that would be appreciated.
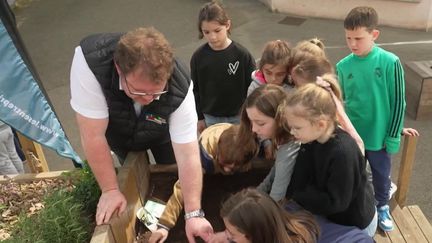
column 279, row 177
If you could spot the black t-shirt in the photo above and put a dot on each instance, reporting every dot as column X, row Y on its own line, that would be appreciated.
column 221, row 79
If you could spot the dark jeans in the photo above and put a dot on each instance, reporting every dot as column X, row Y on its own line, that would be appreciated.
column 380, row 163
column 163, row 154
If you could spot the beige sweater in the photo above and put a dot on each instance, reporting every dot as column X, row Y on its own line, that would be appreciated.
column 208, row 140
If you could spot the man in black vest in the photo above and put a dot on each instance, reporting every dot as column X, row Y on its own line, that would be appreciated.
column 130, row 94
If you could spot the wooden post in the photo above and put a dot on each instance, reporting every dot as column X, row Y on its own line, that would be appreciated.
column 34, row 154
column 406, row 165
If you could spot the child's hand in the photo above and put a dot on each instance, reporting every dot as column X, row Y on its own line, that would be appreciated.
column 268, row 151
column 219, row 237
column 159, row 236
column 410, row 132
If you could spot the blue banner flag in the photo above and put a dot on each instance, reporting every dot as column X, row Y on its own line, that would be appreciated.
column 23, row 104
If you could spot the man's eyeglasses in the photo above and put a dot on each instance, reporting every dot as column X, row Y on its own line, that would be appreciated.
column 155, row 95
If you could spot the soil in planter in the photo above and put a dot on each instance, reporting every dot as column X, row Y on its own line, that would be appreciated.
column 215, row 190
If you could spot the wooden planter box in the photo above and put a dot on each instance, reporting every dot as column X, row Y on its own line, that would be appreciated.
column 139, row 181
column 411, row 224
column 133, row 178
column 419, row 89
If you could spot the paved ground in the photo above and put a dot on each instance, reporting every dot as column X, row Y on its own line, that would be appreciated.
column 51, row 29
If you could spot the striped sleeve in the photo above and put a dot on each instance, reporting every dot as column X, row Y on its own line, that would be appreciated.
column 397, row 107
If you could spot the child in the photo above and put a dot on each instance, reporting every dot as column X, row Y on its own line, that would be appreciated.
column 314, row 46
column 272, row 69
column 259, row 115
column 220, row 153
column 220, row 69
column 342, row 117
column 329, row 178
column 273, row 66
column 221, row 150
column 372, row 81
column 305, row 67
column 10, row 163
column 251, row 216
column 308, row 62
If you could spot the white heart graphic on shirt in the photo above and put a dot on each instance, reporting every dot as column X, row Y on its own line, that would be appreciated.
column 233, row 67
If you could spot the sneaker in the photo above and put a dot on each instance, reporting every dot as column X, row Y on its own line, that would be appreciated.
column 385, row 221
column 393, row 189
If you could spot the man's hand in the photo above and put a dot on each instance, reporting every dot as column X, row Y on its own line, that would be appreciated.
column 201, row 126
column 159, row 236
column 198, row 227
column 109, row 202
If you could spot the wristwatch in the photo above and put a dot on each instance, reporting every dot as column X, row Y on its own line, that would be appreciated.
column 199, row 213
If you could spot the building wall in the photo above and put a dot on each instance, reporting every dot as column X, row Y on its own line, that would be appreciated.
column 411, row 14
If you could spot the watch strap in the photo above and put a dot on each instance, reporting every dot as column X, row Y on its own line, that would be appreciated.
column 199, row 213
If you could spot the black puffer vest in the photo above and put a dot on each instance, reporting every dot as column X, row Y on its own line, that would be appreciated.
column 126, row 131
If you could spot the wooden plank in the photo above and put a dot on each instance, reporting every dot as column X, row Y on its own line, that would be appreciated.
column 139, row 163
column 405, row 169
column 422, row 221
column 424, row 109
column 172, row 168
column 395, row 236
column 34, row 154
column 381, row 237
column 404, row 224
column 422, row 68
column 102, row 234
column 123, row 226
column 413, row 226
column 31, row 176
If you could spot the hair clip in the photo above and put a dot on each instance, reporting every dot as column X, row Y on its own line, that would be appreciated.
column 322, row 83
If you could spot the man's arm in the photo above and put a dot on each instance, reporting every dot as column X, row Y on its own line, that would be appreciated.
column 190, row 173
column 98, row 154
column 190, row 176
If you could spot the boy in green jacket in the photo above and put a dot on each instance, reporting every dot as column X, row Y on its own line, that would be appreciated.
column 372, row 82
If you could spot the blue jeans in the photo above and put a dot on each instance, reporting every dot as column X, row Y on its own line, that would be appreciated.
column 380, row 163
column 211, row 120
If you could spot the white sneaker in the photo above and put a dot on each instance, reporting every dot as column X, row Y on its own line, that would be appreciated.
column 393, row 189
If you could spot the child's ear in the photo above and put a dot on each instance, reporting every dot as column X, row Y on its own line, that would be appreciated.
column 322, row 123
column 228, row 25
column 375, row 34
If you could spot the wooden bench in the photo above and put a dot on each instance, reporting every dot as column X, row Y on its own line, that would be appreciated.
column 411, row 225
column 418, row 86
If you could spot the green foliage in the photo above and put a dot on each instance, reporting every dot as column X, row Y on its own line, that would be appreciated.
column 68, row 216
column 60, row 221
column 86, row 190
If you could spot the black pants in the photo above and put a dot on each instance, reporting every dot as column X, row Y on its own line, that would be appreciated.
column 163, row 154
